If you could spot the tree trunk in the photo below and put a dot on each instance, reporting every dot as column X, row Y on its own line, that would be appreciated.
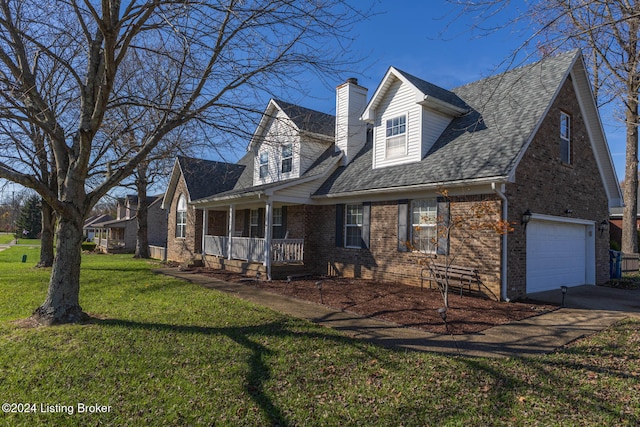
column 62, row 302
column 142, row 237
column 630, row 213
column 46, row 236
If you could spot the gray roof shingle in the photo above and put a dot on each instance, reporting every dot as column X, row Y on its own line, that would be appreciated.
column 484, row 143
column 309, row 120
column 205, row 177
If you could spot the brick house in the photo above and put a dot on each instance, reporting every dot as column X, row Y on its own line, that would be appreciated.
column 342, row 195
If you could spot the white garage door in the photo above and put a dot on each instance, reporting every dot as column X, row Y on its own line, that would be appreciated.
column 556, row 255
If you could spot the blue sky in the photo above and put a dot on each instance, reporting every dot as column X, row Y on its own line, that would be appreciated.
column 424, row 38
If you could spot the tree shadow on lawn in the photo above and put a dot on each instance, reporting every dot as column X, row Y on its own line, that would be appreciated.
column 557, row 382
column 259, row 371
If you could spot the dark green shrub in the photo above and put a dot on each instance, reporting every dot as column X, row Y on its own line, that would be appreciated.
column 613, row 245
column 89, row 246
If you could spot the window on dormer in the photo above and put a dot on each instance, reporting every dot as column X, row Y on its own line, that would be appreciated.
column 264, row 164
column 565, row 138
column 396, row 137
column 287, row 158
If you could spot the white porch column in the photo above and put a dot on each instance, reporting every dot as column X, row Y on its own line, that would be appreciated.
column 232, row 226
column 268, row 231
column 205, row 227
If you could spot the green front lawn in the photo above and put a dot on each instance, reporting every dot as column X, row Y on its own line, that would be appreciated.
column 6, row 238
column 163, row 352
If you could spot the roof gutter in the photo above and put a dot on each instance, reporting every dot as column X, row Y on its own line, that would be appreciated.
column 416, row 187
column 503, row 257
column 443, row 106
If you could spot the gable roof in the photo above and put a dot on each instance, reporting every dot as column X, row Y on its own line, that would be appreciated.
column 202, row 177
column 425, row 93
column 309, row 120
column 304, row 119
column 483, row 145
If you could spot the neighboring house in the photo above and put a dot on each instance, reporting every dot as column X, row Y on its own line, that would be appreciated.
column 119, row 235
column 343, row 199
column 89, row 229
column 615, row 222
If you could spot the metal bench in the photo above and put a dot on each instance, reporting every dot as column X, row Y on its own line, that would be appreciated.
column 459, row 277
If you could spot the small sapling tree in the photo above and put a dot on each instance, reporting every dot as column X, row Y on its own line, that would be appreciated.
column 442, row 235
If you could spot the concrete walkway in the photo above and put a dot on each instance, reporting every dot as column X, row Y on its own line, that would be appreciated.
column 535, row 335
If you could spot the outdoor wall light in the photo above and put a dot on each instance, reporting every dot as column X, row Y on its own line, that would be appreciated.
column 526, row 217
column 564, row 290
column 603, row 225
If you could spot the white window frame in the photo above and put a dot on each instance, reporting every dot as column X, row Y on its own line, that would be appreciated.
column 254, row 223
column 263, row 161
column 287, row 158
column 424, row 217
column 565, row 138
column 276, row 218
column 353, row 222
column 181, row 217
column 395, row 144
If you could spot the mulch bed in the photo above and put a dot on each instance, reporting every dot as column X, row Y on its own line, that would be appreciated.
column 410, row 306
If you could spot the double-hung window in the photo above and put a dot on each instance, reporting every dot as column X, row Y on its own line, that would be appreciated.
column 264, row 164
column 353, row 226
column 396, row 137
column 181, row 217
column 277, row 223
column 254, row 223
column 424, row 225
column 287, row 158
column 565, row 138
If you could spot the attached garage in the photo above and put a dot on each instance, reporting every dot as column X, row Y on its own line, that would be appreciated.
column 560, row 252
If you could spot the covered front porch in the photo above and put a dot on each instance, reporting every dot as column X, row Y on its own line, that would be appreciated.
column 256, row 237
column 254, row 249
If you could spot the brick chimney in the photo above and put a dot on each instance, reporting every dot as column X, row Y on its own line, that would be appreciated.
column 351, row 132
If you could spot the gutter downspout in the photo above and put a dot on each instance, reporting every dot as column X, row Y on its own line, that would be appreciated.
column 503, row 260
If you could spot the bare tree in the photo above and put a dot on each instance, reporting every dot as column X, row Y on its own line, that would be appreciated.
column 64, row 64
column 608, row 33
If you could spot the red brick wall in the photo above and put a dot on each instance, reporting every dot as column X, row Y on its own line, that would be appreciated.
column 546, row 186
column 383, row 261
column 188, row 247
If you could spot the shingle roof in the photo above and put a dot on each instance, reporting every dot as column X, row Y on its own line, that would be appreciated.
column 205, row 177
column 309, row 120
column 484, row 143
column 433, row 90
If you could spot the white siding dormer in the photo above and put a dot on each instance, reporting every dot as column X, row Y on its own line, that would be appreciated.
column 397, row 105
column 433, row 124
column 277, row 154
column 408, row 115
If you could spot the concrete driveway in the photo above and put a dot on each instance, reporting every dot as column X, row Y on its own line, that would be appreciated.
column 594, row 298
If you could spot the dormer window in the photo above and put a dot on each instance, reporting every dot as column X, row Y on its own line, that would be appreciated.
column 264, row 164
column 287, row 158
column 565, row 138
column 396, row 137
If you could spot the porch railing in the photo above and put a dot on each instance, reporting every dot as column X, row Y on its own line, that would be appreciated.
column 109, row 243
column 252, row 248
column 287, row 250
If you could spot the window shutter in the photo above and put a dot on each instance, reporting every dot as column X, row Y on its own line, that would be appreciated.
column 340, row 225
column 283, row 229
column 366, row 225
column 403, row 229
column 443, row 221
